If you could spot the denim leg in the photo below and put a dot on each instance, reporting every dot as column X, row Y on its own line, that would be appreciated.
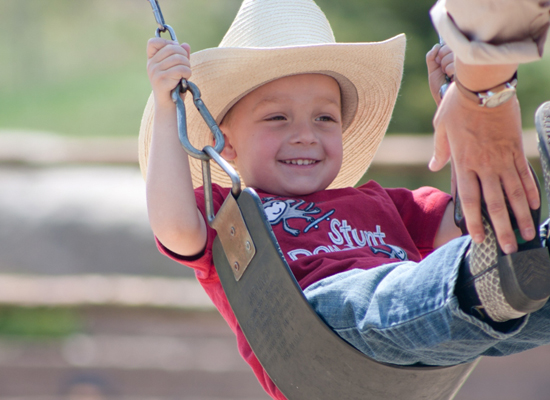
column 406, row 313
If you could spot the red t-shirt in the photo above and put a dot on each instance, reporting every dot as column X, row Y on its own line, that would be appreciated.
column 329, row 232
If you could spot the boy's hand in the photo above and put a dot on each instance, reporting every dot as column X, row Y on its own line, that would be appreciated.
column 168, row 63
column 440, row 62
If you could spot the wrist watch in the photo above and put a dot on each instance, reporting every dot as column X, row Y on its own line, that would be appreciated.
column 493, row 97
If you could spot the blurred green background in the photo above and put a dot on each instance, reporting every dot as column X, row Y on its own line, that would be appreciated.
column 78, row 67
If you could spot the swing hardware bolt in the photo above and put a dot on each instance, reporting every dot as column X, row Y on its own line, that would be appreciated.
column 232, row 231
column 236, row 266
column 247, row 245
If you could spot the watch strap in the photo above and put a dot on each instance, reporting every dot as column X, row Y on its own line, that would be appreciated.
column 478, row 97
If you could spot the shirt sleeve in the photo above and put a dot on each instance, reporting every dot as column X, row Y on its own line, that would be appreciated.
column 493, row 31
column 202, row 263
column 421, row 211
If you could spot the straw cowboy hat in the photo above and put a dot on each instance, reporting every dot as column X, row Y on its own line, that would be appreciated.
column 271, row 39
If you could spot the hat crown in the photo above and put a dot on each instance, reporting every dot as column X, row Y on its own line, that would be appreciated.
column 278, row 23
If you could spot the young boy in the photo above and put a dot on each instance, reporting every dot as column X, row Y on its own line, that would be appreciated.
column 302, row 117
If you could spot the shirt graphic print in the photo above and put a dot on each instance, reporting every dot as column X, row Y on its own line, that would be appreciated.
column 291, row 214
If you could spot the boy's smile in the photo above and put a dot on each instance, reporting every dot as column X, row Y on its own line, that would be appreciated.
column 286, row 136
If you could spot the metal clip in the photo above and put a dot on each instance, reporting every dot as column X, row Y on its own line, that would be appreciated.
column 158, row 14
column 162, row 27
column 207, row 117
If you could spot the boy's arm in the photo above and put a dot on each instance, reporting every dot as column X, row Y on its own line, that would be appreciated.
column 173, row 214
column 447, row 230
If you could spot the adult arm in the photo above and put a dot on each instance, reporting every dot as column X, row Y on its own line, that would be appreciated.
column 493, row 31
column 489, row 39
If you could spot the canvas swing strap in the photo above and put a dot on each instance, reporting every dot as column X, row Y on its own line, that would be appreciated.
column 302, row 356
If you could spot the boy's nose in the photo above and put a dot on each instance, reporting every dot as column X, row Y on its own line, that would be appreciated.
column 304, row 133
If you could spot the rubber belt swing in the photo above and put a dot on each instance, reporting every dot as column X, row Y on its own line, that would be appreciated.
column 302, row 356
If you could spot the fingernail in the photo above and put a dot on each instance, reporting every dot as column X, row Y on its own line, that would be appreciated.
column 478, row 238
column 528, row 233
column 509, row 248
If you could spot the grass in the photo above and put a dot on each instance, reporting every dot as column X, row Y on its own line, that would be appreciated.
column 38, row 322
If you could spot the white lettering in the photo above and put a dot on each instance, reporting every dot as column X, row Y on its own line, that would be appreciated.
column 361, row 242
column 335, row 236
column 371, row 238
column 345, row 229
column 342, row 233
column 322, row 249
column 380, row 235
column 293, row 254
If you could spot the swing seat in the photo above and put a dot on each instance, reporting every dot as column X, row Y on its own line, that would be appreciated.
column 303, row 356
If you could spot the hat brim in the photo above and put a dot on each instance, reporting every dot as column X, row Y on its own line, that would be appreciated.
column 369, row 75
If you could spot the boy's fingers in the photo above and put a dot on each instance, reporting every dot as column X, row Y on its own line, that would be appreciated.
column 433, row 51
column 445, row 50
column 187, row 49
column 154, row 45
column 167, row 57
column 174, row 60
column 447, row 59
column 430, row 58
column 170, row 71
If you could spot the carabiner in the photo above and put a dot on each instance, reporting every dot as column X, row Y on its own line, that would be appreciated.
column 162, row 27
column 206, row 116
column 158, row 15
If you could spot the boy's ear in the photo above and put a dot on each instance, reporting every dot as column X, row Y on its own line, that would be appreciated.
column 228, row 151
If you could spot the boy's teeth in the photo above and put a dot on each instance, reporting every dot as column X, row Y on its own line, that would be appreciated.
column 299, row 162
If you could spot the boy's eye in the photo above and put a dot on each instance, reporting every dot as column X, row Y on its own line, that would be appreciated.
column 325, row 118
column 276, row 118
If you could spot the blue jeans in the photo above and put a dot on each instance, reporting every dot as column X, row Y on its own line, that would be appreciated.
column 406, row 313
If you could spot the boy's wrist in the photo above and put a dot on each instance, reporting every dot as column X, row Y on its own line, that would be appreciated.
column 162, row 103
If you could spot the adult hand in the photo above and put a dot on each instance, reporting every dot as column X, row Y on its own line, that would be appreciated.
column 486, row 148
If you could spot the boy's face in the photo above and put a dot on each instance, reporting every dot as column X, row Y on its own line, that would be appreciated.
column 286, row 136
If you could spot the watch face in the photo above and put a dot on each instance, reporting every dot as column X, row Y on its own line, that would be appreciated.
column 496, row 99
